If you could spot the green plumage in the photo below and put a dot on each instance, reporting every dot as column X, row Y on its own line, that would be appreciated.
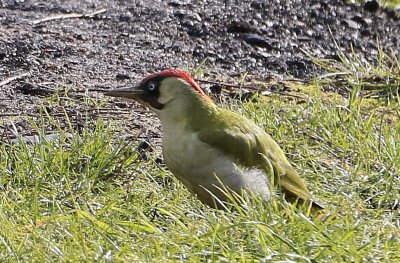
column 250, row 146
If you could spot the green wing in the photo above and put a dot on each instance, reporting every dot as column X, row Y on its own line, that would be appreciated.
column 250, row 146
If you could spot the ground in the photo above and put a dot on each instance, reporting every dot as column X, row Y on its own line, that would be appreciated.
column 77, row 184
column 123, row 41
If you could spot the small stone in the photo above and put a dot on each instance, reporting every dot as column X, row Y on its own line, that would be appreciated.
column 180, row 13
column 175, row 3
column 256, row 40
column 351, row 23
column 122, row 76
column 79, row 37
column 239, row 27
column 195, row 16
column 258, row 5
column 371, row 6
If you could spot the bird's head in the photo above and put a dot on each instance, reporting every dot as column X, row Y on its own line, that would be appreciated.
column 165, row 91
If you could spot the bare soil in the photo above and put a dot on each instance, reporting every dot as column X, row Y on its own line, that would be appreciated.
column 117, row 42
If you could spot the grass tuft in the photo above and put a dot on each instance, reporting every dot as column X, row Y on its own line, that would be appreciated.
column 86, row 194
column 353, row 73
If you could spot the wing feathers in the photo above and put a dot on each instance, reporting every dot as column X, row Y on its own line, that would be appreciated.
column 250, row 146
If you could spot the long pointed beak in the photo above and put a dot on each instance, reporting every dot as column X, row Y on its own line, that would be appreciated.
column 129, row 93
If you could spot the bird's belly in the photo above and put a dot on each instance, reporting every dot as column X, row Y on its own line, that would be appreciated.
column 202, row 169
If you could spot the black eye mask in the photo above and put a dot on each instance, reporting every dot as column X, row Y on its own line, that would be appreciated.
column 151, row 92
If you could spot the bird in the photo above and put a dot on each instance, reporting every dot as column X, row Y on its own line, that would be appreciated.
column 211, row 150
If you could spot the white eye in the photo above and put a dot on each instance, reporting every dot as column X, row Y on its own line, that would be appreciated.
column 151, row 86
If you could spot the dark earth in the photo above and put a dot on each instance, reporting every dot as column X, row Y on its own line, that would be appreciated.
column 95, row 45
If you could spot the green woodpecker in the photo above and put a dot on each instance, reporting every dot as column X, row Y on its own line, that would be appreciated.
column 212, row 150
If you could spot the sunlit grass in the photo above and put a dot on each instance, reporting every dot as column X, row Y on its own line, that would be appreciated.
column 389, row 3
column 86, row 195
column 377, row 79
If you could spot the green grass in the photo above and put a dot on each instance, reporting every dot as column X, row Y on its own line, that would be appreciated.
column 389, row 3
column 88, row 196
